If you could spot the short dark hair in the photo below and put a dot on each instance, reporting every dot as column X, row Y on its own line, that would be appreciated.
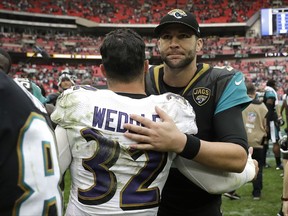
column 123, row 55
column 271, row 83
column 250, row 88
column 5, row 61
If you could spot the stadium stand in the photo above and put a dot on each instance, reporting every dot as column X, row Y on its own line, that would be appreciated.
column 140, row 11
column 73, row 30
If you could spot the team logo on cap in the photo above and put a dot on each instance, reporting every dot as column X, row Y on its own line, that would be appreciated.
column 201, row 95
column 177, row 13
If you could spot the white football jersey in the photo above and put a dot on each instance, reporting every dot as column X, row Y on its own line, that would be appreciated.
column 30, row 173
column 108, row 178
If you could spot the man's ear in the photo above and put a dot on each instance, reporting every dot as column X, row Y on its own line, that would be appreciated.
column 146, row 66
column 158, row 44
column 102, row 68
column 199, row 44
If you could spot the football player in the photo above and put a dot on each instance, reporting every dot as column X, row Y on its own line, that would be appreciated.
column 218, row 96
column 66, row 80
column 274, row 119
column 29, row 169
column 33, row 88
column 108, row 177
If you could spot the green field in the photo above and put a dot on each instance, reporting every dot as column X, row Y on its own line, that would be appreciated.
column 269, row 204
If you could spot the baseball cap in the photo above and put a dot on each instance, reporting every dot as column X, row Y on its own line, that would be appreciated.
column 181, row 17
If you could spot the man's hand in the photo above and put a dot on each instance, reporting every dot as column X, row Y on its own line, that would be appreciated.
column 158, row 136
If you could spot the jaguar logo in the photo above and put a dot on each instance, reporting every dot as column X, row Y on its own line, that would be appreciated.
column 201, row 95
column 177, row 13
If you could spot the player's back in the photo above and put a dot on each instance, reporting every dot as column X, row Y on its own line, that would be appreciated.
column 253, row 118
column 108, row 178
column 29, row 171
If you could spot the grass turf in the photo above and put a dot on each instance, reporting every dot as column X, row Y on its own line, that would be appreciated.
column 268, row 205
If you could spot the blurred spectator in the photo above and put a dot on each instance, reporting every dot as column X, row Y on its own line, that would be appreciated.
column 273, row 119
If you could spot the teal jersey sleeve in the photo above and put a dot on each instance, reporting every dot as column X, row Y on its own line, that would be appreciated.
column 37, row 93
column 270, row 94
column 234, row 94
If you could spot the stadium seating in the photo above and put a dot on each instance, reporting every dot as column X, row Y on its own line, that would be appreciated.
column 143, row 12
column 140, row 11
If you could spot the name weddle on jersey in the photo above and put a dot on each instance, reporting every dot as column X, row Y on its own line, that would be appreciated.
column 111, row 178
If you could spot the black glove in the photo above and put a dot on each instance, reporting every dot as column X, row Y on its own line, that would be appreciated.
column 283, row 144
column 281, row 122
column 52, row 98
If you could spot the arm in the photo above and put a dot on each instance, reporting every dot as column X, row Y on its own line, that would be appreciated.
column 270, row 104
column 283, row 106
column 64, row 153
column 278, row 111
column 165, row 136
column 230, row 141
column 215, row 181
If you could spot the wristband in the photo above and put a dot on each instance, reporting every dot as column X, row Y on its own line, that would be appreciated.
column 284, row 199
column 191, row 148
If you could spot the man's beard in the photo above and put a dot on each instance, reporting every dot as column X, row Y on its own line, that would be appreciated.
column 180, row 64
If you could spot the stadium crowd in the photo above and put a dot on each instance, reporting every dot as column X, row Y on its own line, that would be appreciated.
column 140, row 11
column 88, row 44
column 47, row 76
column 61, row 43
column 258, row 71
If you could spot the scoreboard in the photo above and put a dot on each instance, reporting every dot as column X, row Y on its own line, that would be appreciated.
column 274, row 21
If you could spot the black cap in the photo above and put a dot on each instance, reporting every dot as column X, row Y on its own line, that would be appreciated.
column 181, row 17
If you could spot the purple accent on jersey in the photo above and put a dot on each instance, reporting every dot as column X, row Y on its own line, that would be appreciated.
column 110, row 119
column 100, row 114
column 137, row 192
column 98, row 117
column 122, row 116
column 105, row 181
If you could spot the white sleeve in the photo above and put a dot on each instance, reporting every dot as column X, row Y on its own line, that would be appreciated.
column 215, row 181
column 64, row 153
column 182, row 113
